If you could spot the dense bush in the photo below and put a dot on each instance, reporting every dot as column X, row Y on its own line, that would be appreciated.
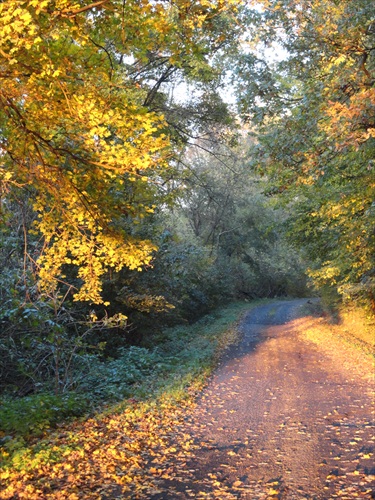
column 184, row 354
column 36, row 413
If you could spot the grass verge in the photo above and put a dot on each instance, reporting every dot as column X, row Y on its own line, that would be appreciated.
column 352, row 326
column 348, row 341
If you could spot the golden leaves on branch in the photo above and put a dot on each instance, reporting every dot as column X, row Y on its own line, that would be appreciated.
column 75, row 128
column 75, row 134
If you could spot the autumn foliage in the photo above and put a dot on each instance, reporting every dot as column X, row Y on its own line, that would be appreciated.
column 76, row 132
column 314, row 104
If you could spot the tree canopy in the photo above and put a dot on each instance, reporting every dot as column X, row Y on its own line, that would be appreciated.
column 92, row 125
column 83, row 127
column 314, row 100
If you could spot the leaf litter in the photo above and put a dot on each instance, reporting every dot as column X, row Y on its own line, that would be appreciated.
column 200, row 448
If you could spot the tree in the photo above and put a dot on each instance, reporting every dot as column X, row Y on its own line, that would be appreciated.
column 314, row 106
column 227, row 212
column 82, row 128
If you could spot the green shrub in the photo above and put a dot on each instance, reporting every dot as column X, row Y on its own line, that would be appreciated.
column 36, row 413
column 115, row 380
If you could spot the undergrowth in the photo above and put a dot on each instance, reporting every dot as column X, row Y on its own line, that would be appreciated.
column 141, row 377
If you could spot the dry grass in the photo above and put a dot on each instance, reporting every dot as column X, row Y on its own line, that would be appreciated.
column 348, row 342
column 358, row 328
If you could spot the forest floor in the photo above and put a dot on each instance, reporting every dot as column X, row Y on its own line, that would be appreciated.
column 288, row 414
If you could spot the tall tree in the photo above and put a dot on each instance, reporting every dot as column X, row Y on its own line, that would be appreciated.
column 312, row 95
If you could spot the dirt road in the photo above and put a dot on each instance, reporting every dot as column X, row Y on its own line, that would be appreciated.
column 281, row 418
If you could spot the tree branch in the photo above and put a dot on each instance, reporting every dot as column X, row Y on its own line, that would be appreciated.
column 66, row 13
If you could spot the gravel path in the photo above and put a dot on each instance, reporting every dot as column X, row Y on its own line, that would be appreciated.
column 281, row 418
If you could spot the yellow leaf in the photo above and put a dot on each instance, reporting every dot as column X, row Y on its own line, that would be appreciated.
column 272, row 491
